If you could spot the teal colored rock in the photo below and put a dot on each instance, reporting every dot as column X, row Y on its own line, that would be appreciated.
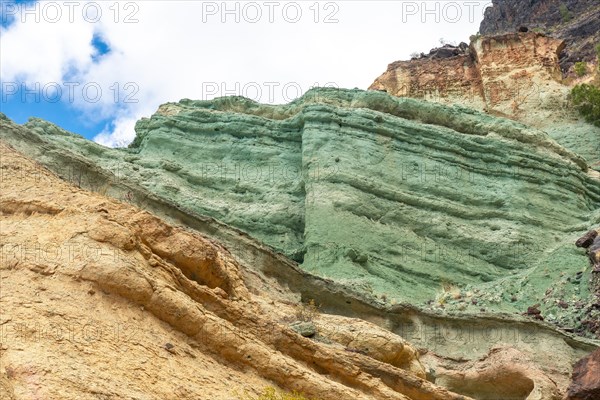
column 306, row 329
column 441, row 207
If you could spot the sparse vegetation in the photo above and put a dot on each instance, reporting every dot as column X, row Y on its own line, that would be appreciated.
column 475, row 37
column 448, row 291
column 586, row 98
column 270, row 393
column 444, row 42
column 565, row 13
column 307, row 312
column 598, row 56
column 581, row 68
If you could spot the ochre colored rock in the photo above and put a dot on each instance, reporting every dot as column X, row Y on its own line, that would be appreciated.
column 504, row 373
column 577, row 22
column 510, row 75
column 363, row 337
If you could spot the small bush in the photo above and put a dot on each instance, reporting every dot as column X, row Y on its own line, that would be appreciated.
column 586, row 98
column 565, row 13
column 475, row 37
column 307, row 312
column 580, row 68
column 270, row 393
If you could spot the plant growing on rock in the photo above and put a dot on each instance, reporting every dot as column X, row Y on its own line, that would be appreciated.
column 580, row 68
column 307, row 312
column 586, row 98
column 565, row 13
column 475, row 37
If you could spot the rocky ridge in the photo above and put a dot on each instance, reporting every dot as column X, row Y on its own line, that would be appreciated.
column 515, row 75
column 520, row 65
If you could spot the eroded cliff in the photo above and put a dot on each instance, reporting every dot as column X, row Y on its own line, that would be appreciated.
column 515, row 75
column 101, row 299
column 577, row 22
column 439, row 207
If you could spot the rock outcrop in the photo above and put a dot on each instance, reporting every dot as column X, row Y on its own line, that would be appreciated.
column 521, row 68
column 441, row 208
column 577, row 22
column 101, row 299
column 508, row 75
column 515, row 75
column 206, row 308
column 586, row 378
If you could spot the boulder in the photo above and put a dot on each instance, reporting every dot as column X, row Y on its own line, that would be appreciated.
column 586, row 378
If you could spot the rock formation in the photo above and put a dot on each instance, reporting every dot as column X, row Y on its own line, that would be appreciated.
column 509, row 75
column 520, row 66
column 446, row 232
column 577, row 22
column 586, row 378
column 101, row 299
column 442, row 208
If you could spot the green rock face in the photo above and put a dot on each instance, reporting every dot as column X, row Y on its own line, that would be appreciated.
column 441, row 207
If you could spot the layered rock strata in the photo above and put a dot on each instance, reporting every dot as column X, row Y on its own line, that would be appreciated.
column 439, row 207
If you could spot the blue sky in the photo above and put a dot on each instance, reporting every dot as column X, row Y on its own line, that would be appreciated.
column 94, row 68
column 21, row 99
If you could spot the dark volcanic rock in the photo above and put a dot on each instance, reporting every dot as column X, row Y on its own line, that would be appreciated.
column 446, row 51
column 586, row 378
column 575, row 21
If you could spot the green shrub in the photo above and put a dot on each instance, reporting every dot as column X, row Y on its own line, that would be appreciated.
column 586, row 98
column 580, row 68
column 270, row 393
column 475, row 37
column 565, row 13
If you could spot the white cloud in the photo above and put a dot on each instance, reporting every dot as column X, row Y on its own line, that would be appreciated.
column 121, row 135
column 171, row 53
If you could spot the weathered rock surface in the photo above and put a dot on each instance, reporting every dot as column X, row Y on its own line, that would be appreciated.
column 515, row 75
column 577, row 22
column 112, row 285
column 586, row 378
column 504, row 373
column 443, row 208
column 101, row 299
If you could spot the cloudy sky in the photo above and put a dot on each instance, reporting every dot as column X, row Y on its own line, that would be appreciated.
column 95, row 68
